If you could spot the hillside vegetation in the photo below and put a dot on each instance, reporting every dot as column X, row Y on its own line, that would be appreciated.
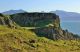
column 22, row 40
column 33, row 32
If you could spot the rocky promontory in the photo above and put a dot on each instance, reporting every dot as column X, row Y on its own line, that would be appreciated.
column 48, row 24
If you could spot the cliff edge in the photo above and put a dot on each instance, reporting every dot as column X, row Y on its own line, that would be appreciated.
column 48, row 25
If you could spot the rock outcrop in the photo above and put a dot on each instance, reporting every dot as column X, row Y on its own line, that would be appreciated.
column 33, row 19
column 48, row 23
column 5, row 20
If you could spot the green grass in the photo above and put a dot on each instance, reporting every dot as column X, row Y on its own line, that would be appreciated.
column 43, row 23
column 23, row 40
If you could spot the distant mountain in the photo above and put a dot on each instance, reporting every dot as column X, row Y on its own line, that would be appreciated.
column 64, row 15
column 67, row 16
column 13, row 12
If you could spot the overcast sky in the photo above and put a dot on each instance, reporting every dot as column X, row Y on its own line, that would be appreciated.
column 40, row 5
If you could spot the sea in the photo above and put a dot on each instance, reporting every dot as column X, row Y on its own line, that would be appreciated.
column 73, row 27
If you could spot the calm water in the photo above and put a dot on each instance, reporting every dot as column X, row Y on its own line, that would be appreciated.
column 73, row 27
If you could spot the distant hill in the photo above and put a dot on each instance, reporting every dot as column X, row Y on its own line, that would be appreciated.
column 67, row 16
column 13, row 12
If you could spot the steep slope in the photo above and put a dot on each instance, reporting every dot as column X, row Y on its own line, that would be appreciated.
column 6, row 21
column 36, row 19
column 47, row 36
column 46, row 25
column 22, row 40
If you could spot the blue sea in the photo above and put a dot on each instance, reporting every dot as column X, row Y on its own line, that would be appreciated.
column 73, row 27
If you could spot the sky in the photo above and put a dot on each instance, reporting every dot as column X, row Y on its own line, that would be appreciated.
column 40, row 5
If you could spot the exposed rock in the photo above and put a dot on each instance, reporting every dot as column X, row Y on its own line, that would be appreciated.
column 54, row 34
column 49, row 24
column 5, row 20
column 33, row 19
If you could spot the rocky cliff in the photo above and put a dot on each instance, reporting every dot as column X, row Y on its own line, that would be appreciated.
column 46, row 24
column 36, row 19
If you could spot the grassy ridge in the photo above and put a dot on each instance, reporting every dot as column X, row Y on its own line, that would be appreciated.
column 22, row 40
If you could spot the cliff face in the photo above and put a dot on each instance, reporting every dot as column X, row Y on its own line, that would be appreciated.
column 54, row 34
column 35, row 19
column 48, row 23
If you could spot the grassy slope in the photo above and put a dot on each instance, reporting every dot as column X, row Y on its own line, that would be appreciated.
column 21, row 40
